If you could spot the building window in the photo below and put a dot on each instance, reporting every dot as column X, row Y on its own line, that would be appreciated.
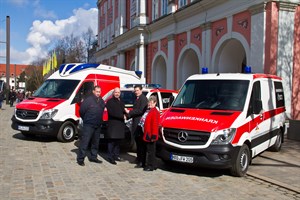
column 181, row 3
column 155, row 9
column 133, row 9
column 164, row 7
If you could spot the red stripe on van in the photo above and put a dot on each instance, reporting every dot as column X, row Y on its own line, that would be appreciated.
column 266, row 76
column 249, row 126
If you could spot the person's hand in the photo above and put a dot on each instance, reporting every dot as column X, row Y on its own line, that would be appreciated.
column 126, row 110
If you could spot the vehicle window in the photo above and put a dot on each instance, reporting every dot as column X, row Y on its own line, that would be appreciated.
column 279, row 94
column 157, row 98
column 2, row 85
column 56, row 88
column 85, row 90
column 128, row 97
column 213, row 94
column 165, row 98
column 255, row 95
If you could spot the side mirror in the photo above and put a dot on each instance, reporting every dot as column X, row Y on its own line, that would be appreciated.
column 257, row 107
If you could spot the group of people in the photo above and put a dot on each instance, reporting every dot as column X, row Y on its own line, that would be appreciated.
column 12, row 97
column 17, row 96
column 145, row 118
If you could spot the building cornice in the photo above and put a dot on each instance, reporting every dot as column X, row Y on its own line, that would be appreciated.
column 287, row 6
column 258, row 8
column 136, row 31
column 110, row 48
column 206, row 26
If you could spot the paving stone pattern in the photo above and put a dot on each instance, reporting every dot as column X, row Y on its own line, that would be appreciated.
column 42, row 168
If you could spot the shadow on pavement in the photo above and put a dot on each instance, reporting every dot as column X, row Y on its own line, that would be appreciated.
column 191, row 170
column 280, row 163
column 34, row 138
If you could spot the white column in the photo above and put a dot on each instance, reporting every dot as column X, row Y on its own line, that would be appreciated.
column 141, row 12
column 206, row 47
column 170, row 62
column 285, row 49
column 141, row 58
column 121, row 60
column 257, row 47
column 122, row 16
column 171, row 6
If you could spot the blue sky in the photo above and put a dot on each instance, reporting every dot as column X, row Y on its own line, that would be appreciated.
column 36, row 24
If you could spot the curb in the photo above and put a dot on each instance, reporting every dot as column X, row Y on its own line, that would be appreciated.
column 272, row 181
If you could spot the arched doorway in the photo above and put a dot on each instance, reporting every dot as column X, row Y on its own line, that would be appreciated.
column 231, row 57
column 159, row 70
column 188, row 65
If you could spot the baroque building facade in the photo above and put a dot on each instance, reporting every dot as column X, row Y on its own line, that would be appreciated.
column 169, row 40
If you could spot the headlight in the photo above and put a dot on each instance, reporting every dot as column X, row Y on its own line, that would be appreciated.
column 49, row 114
column 224, row 136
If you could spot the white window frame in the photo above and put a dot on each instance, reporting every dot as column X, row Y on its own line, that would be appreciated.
column 164, row 7
column 155, row 8
column 181, row 3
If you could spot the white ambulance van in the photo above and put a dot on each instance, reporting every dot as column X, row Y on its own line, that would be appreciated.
column 223, row 121
column 54, row 108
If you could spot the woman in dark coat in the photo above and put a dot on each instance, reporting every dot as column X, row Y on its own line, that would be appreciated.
column 116, row 126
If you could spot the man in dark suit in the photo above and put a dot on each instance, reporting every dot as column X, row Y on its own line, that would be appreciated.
column 91, row 112
column 116, row 126
column 139, row 107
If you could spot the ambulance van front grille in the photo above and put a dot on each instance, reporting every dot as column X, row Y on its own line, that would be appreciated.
column 27, row 114
column 186, row 137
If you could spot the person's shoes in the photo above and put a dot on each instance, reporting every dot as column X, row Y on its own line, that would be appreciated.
column 119, row 159
column 95, row 160
column 138, row 165
column 112, row 161
column 81, row 163
column 148, row 169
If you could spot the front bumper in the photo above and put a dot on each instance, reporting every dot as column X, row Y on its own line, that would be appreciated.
column 42, row 126
column 215, row 156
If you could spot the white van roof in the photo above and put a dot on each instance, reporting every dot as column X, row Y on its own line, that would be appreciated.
column 231, row 76
column 80, row 70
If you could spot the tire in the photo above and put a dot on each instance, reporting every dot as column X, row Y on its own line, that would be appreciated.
column 67, row 132
column 278, row 143
column 241, row 163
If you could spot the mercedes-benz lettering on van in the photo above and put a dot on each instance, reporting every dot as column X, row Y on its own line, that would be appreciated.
column 223, row 121
column 54, row 107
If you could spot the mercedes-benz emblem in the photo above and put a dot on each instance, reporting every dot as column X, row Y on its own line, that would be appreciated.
column 23, row 114
column 182, row 136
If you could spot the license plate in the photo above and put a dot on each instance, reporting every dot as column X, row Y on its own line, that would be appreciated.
column 23, row 128
column 186, row 159
column 101, row 136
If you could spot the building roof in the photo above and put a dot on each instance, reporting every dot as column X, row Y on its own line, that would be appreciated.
column 19, row 69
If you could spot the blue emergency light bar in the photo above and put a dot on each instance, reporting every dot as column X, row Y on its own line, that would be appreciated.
column 71, row 68
column 204, row 70
column 247, row 70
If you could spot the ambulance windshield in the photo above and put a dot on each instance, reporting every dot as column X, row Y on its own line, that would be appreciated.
column 56, row 88
column 213, row 94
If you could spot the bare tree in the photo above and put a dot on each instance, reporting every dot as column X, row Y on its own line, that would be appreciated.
column 34, row 77
column 89, row 39
column 70, row 49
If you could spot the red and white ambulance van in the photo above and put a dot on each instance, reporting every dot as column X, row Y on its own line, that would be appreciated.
column 54, row 108
column 223, row 121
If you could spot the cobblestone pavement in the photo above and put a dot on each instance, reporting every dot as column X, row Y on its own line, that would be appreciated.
column 42, row 168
